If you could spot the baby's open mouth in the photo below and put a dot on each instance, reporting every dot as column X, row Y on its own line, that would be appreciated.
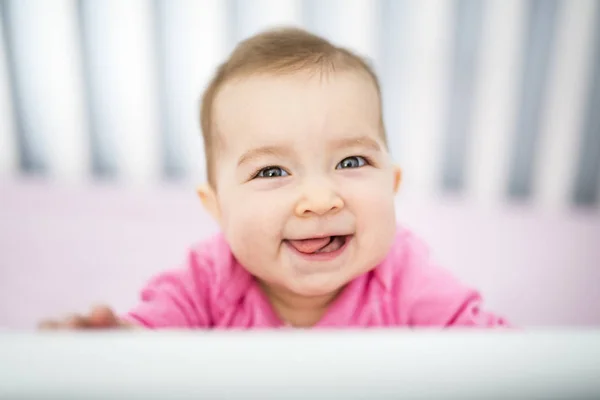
column 326, row 244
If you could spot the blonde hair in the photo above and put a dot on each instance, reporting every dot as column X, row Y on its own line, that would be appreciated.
column 277, row 51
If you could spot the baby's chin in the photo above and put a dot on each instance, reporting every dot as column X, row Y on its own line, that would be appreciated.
column 317, row 285
column 317, row 291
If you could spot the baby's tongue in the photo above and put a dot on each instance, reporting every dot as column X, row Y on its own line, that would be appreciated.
column 310, row 245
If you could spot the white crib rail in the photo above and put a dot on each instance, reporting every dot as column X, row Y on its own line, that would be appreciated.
column 301, row 365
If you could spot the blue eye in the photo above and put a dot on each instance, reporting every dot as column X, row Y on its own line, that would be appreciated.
column 271, row 172
column 352, row 162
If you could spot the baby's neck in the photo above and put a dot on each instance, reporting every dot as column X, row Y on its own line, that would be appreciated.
column 296, row 310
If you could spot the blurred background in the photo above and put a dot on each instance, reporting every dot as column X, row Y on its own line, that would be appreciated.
column 492, row 108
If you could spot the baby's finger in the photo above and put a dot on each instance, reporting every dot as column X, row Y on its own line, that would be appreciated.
column 76, row 321
column 102, row 317
column 48, row 325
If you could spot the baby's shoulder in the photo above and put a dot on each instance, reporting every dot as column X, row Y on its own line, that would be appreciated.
column 211, row 256
column 409, row 261
column 408, row 251
column 196, row 293
column 214, row 266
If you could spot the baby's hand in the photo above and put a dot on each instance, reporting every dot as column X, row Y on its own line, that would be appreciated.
column 100, row 317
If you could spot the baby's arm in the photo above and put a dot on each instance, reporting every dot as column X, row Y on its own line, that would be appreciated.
column 99, row 317
column 430, row 296
column 470, row 314
column 173, row 299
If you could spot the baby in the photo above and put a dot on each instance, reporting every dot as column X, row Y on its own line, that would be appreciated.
column 301, row 181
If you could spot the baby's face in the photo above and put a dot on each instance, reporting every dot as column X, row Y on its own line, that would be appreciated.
column 305, row 183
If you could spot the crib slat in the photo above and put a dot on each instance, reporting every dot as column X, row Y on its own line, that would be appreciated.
column 347, row 23
column 457, row 131
column 586, row 188
column 120, row 59
column 192, row 42
column 428, row 52
column 540, row 42
column 49, row 85
column 495, row 104
column 565, row 107
column 393, row 41
column 250, row 17
column 8, row 143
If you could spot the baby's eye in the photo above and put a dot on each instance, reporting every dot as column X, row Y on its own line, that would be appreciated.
column 352, row 162
column 271, row 172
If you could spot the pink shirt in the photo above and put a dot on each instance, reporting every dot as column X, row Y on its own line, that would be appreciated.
column 213, row 290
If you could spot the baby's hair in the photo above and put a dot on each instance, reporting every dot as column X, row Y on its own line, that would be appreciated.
column 278, row 51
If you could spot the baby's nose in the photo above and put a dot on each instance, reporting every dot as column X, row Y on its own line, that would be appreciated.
column 318, row 201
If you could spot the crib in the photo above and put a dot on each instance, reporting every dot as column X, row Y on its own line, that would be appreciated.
column 491, row 108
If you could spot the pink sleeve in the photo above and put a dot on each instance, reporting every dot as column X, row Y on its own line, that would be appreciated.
column 471, row 314
column 174, row 299
column 430, row 296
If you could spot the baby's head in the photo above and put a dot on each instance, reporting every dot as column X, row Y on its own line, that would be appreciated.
column 299, row 174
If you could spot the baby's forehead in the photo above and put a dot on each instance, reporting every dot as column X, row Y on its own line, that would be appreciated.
column 253, row 98
column 258, row 84
column 264, row 110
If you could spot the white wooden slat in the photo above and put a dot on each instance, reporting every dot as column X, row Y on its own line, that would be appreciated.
column 257, row 15
column 8, row 142
column 123, row 81
column 598, row 188
column 392, row 62
column 495, row 103
column 348, row 23
column 565, row 107
column 195, row 42
column 427, row 69
column 49, row 81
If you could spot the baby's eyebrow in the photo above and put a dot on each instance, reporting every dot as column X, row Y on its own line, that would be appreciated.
column 278, row 151
column 274, row 151
column 358, row 141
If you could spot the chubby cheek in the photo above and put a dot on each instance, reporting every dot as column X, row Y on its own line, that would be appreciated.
column 373, row 208
column 252, row 224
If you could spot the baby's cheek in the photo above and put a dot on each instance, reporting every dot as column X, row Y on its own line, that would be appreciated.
column 376, row 217
column 374, row 199
column 250, row 227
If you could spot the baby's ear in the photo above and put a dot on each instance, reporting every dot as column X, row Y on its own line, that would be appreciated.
column 397, row 178
column 208, row 197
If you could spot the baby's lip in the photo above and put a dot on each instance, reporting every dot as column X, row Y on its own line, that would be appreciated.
column 318, row 236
